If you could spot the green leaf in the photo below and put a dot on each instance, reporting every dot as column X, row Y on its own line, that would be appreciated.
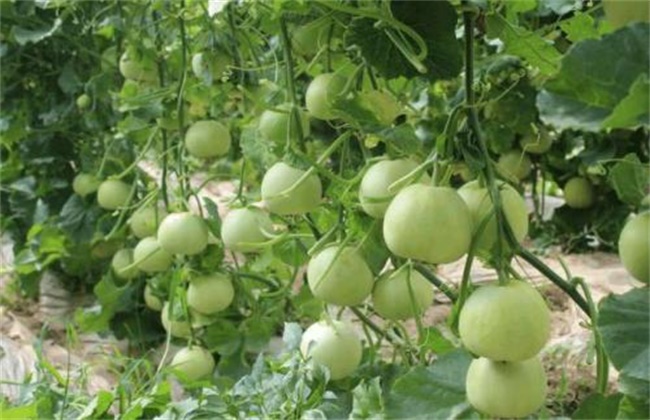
column 108, row 293
column 133, row 412
column 598, row 406
column 92, row 319
column 139, row 327
column 306, row 305
column 515, row 110
column 434, row 21
column 595, row 76
column 521, row 6
column 634, row 388
column 402, row 139
column 68, row 80
column 213, row 221
column 98, row 406
column 78, row 219
column 291, row 336
column 233, row 366
column 561, row 7
column 257, row 333
column 131, row 124
column 523, row 43
column 634, row 110
column 373, row 247
column 257, row 151
column 624, row 322
column 632, row 408
column 223, row 337
column 435, row 392
column 580, row 27
column 292, row 252
column 630, row 179
column 22, row 412
column 367, row 402
column 433, row 341
column 24, row 36
column 353, row 111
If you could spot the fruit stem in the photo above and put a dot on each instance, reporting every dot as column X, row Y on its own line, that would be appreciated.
column 240, row 187
column 436, row 171
column 409, row 178
column 175, row 282
column 141, row 156
column 543, row 196
column 417, row 312
column 463, row 291
column 436, row 281
column 537, row 210
column 321, row 159
column 123, row 212
column 341, row 247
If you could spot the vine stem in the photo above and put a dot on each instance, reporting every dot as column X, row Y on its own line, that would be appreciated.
column 286, row 47
column 387, row 17
column 602, row 364
column 566, row 287
column 294, row 117
column 237, row 56
column 184, row 182
column 436, row 281
column 367, row 321
column 503, row 228
column 475, row 126
column 374, row 327
column 165, row 142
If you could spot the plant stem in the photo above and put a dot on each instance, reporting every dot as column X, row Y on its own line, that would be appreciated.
column 436, row 281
